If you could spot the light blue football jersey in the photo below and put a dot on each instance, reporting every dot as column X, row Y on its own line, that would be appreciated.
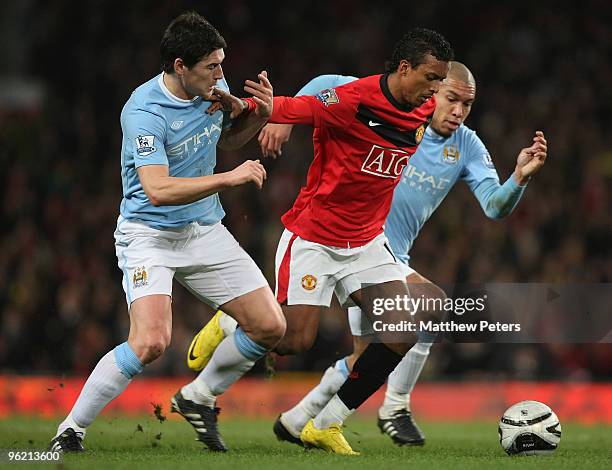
column 162, row 129
column 433, row 170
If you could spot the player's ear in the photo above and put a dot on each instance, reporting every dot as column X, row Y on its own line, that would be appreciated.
column 179, row 66
column 404, row 67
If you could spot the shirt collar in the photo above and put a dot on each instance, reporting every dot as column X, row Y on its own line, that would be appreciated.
column 171, row 95
column 384, row 86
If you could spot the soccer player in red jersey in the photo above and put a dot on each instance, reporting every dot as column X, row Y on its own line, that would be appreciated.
column 364, row 134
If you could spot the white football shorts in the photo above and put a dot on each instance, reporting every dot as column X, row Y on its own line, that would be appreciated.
column 359, row 322
column 309, row 273
column 206, row 259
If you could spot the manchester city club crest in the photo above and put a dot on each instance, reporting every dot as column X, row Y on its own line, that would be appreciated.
column 140, row 277
column 450, row 154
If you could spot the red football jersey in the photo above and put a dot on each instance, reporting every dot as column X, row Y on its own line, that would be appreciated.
column 363, row 139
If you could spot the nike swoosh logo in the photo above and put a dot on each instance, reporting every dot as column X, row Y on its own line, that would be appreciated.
column 374, row 124
column 195, row 340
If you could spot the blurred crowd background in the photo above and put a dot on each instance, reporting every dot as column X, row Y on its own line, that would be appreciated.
column 68, row 68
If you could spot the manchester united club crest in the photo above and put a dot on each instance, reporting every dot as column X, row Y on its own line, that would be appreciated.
column 140, row 277
column 450, row 154
column 309, row 282
column 419, row 133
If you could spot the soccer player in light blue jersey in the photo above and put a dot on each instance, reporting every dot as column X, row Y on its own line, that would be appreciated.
column 448, row 153
column 170, row 227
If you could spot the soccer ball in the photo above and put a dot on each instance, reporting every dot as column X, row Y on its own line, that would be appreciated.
column 529, row 428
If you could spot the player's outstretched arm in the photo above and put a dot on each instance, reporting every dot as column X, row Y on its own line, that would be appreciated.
column 330, row 108
column 248, row 121
column 273, row 136
column 165, row 190
column 498, row 201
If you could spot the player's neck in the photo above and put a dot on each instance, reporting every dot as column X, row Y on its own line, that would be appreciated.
column 439, row 133
column 394, row 88
column 174, row 86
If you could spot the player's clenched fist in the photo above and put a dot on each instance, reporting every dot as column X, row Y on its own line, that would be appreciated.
column 251, row 171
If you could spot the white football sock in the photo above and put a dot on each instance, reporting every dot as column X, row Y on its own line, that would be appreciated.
column 105, row 383
column 402, row 380
column 335, row 412
column 198, row 392
column 296, row 418
column 234, row 356
column 69, row 422
column 227, row 324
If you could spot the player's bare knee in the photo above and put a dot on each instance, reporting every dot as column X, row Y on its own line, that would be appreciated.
column 271, row 329
column 153, row 350
column 439, row 295
column 275, row 328
column 151, row 347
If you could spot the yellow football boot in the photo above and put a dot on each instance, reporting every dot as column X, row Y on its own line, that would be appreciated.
column 330, row 439
column 203, row 344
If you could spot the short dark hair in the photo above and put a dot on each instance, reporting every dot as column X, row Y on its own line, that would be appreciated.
column 416, row 44
column 189, row 37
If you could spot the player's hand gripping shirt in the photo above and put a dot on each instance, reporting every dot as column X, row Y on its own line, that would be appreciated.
column 363, row 139
column 161, row 129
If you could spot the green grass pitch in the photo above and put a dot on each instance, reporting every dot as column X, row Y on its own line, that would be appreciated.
column 148, row 443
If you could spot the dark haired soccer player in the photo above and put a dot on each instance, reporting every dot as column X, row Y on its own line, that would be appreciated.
column 365, row 133
column 170, row 226
column 449, row 152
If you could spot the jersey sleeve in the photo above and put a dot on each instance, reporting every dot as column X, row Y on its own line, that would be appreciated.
column 333, row 107
column 478, row 164
column 496, row 200
column 145, row 133
column 324, row 82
